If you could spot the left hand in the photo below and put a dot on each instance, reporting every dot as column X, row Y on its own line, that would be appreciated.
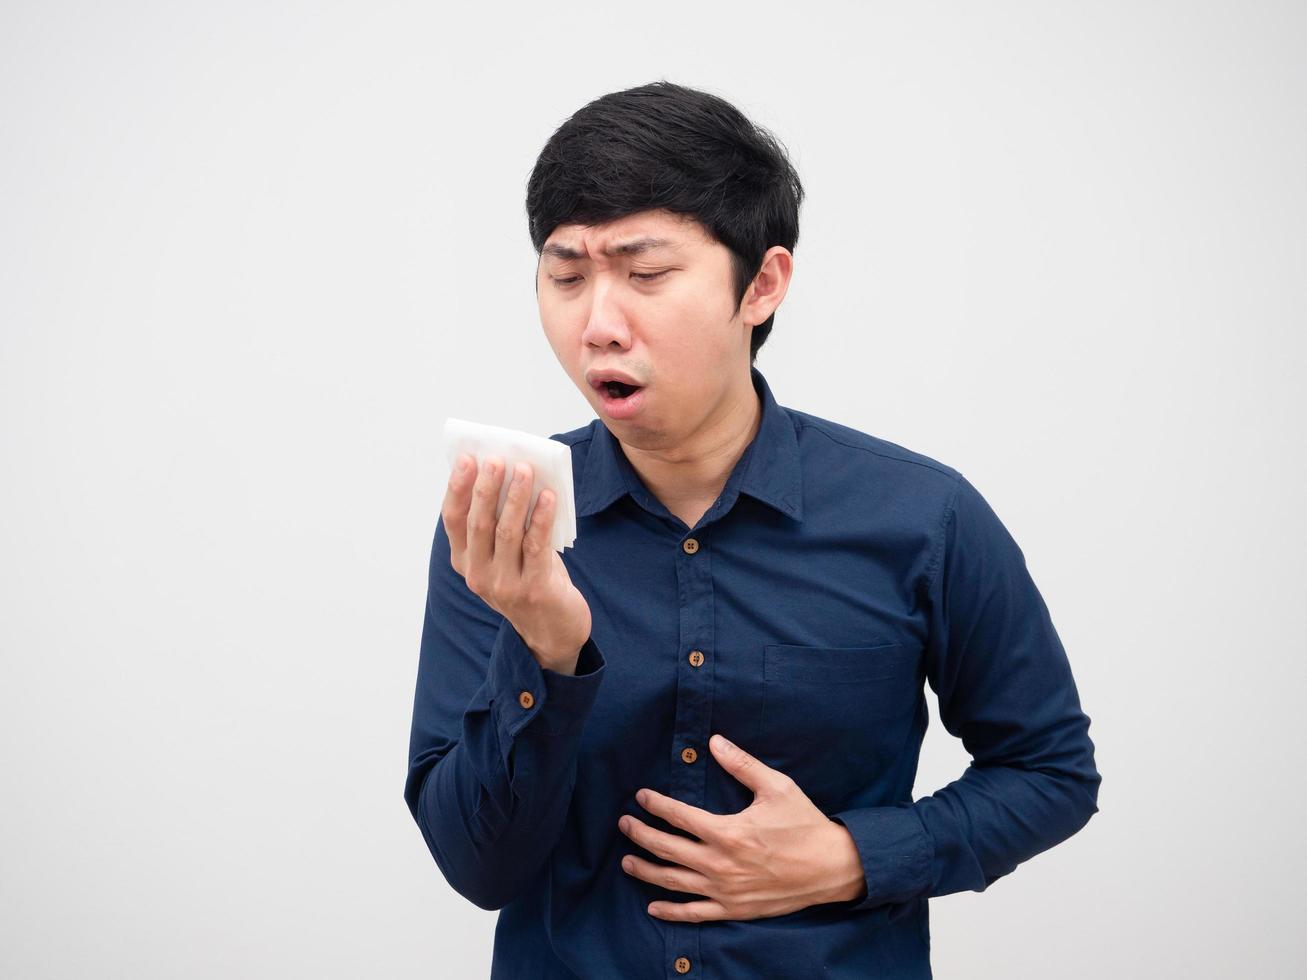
column 779, row 855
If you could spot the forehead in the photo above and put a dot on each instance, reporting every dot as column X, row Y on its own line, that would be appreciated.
column 647, row 233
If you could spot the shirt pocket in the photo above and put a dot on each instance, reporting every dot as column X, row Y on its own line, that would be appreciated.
column 835, row 719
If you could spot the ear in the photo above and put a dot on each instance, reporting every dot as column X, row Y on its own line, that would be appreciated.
column 769, row 285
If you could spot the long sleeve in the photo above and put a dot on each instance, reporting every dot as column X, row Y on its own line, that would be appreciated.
column 491, row 771
column 1005, row 689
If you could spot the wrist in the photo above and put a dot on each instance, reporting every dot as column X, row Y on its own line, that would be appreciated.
column 559, row 661
column 560, row 665
column 847, row 877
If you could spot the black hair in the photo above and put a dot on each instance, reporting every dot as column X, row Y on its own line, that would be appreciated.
column 665, row 146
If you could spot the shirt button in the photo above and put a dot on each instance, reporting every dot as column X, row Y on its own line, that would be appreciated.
column 696, row 658
column 690, row 545
column 682, row 964
column 689, row 755
column 525, row 699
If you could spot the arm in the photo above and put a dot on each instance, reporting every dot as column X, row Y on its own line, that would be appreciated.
column 1005, row 689
column 489, row 780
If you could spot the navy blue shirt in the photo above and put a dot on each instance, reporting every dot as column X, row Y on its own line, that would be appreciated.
column 800, row 617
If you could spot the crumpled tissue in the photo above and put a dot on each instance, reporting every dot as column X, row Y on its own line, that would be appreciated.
column 551, row 466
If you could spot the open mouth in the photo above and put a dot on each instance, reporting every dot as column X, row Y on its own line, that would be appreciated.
column 619, row 390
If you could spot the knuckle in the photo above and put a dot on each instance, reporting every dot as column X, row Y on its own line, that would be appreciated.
column 505, row 531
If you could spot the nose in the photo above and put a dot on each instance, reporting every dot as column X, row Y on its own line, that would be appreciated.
column 607, row 322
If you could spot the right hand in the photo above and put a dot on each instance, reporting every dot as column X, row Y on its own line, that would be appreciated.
column 515, row 571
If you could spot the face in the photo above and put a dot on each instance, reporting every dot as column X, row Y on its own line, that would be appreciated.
column 650, row 296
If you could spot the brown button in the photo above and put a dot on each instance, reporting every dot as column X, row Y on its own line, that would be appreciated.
column 525, row 699
column 689, row 755
column 682, row 965
column 690, row 545
column 696, row 658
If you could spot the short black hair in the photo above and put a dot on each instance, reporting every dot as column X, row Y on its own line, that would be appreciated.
column 666, row 146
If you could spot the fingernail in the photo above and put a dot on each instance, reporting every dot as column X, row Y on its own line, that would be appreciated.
column 627, row 864
column 518, row 475
column 462, row 464
column 723, row 742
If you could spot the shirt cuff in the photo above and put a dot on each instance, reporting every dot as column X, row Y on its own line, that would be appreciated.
column 524, row 693
column 896, row 853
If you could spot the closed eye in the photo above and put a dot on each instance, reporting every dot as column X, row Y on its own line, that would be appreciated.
column 642, row 276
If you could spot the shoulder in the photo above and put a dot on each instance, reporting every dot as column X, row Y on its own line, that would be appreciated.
column 824, row 441
column 577, row 435
column 579, row 439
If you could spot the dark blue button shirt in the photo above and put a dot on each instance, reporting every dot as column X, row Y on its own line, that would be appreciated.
column 834, row 575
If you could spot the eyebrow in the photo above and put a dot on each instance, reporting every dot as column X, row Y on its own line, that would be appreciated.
column 633, row 247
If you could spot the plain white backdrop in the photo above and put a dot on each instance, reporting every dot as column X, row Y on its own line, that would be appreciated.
column 253, row 254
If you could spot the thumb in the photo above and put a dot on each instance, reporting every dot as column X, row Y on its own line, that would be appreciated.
column 750, row 771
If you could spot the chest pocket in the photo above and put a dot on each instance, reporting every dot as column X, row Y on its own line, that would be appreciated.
column 835, row 718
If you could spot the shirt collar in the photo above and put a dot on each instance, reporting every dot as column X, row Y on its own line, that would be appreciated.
column 768, row 470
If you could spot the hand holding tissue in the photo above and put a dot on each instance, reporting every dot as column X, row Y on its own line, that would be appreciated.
column 551, row 464
column 512, row 565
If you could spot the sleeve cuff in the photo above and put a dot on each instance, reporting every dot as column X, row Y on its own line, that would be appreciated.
column 558, row 704
column 896, row 853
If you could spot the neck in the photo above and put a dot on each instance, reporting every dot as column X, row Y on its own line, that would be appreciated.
column 691, row 476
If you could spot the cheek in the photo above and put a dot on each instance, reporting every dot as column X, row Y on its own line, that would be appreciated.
column 565, row 348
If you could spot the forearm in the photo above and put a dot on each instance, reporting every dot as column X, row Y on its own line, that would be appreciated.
column 995, row 817
column 491, row 805
column 491, row 831
column 968, row 834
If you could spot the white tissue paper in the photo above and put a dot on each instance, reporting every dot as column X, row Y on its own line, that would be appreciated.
column 551, row 466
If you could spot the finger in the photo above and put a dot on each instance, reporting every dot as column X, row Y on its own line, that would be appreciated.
column 537, row 552
column 748, row 769
column 458, row 495
column 509, row 531
column 669, row 847
column 701, row 823
column 481, row 515
column 703, row 911
column 671, row 876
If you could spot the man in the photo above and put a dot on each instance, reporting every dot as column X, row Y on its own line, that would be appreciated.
column 741, row 570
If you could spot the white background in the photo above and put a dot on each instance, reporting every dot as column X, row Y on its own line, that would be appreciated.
column 253, row 254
